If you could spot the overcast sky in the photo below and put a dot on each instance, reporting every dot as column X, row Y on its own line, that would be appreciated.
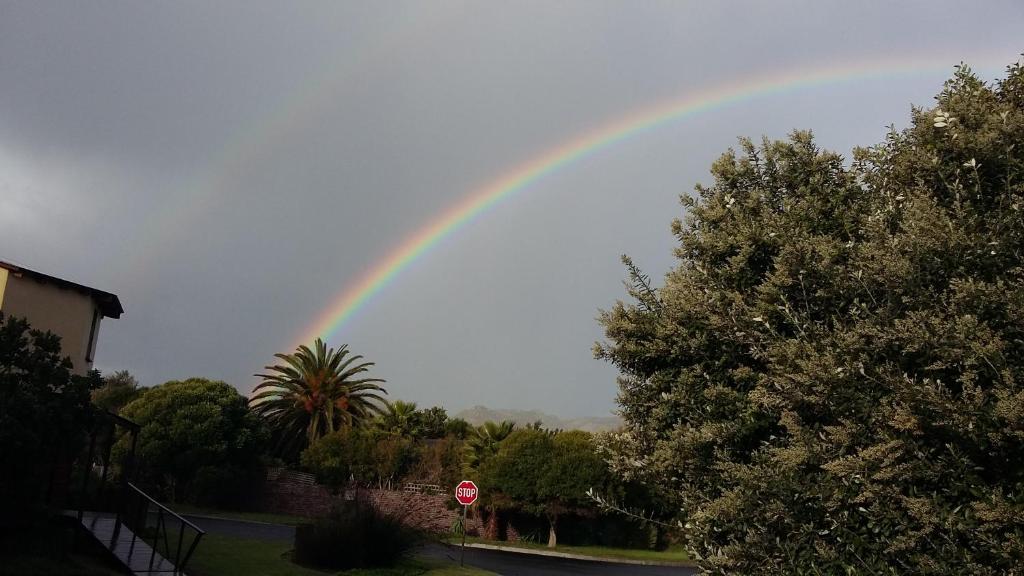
column 227, row 168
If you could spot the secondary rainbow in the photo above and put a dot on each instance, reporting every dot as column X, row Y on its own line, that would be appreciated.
column 355, row 296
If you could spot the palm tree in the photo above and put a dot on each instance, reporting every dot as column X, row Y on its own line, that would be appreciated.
column 314, row 393
column 483, row 443
column 400, row 418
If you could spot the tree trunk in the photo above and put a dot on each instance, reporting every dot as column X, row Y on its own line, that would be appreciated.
column 492, row 528
column 552, row 537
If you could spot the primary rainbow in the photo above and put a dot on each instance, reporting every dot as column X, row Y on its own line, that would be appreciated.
column 355, row 296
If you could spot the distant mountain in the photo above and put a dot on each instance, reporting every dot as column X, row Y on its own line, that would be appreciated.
column 480, row 414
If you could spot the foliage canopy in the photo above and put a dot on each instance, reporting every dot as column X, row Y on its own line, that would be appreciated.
column 543, row 473
column 118, row 390
column 406, row 419
column 45, row 414
column 190, row 428
column 368, row 456
column 315, row 392
column 483, row 441
column 830, row 379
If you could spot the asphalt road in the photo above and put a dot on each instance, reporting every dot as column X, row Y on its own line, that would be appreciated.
column 243, row 529
column 504, row 563
column 516, row 564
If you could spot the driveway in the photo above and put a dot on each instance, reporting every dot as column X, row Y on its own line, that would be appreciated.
column 504, row 563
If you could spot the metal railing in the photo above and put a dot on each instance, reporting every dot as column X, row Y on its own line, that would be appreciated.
column 165, row 532
column 95, row 463
column 154, row 524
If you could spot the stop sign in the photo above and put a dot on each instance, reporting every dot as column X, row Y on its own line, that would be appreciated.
column 466, row 492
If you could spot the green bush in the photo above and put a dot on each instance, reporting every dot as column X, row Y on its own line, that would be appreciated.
column 354, row 535
column 368, row 456
column 545, row 474
column 227, row 487
column 187, row 426
column 118, row 390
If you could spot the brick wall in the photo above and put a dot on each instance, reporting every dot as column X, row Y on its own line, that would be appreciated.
column 426, row 511
column 297, row 493
column 287, row 492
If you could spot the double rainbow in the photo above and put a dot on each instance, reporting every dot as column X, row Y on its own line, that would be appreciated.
column 356, row 296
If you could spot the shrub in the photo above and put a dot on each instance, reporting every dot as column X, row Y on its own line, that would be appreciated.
column 118, row 390
column 229, row 487
column 438, row 462
column 354, row 535
column 370, row 457
column 331, row 459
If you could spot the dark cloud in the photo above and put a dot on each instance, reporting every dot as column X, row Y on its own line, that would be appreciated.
column 228, row 169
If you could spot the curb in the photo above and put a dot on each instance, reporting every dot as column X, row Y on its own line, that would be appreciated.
column 226, row 519
column 604, row 559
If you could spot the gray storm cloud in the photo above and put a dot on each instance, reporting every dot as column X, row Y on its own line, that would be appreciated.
column 227, row 170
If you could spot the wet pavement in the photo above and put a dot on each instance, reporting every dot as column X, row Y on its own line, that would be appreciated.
column 501, row 562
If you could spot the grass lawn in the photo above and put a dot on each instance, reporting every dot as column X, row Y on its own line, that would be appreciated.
column 673, row 554
column 235, row 515
column 226, row 556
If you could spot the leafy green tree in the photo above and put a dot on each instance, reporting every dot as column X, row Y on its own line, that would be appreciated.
column 45, row 414
column 545, row 474
column 458, row 428
column 190, row 425
column 830, row 380
column 573, row 470
column 315, row 392
column 391, row 457
column 117, row 391
column 366, row 456
column 335, row 458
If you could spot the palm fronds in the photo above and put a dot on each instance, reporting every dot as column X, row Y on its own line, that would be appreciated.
column 314, row 392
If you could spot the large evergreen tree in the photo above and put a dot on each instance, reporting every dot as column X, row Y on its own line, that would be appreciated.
column 830, row 379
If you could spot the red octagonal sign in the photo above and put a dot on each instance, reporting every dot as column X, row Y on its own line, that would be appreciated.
column 466, row 492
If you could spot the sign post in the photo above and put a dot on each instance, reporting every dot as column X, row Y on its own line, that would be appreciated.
column 466, row 493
